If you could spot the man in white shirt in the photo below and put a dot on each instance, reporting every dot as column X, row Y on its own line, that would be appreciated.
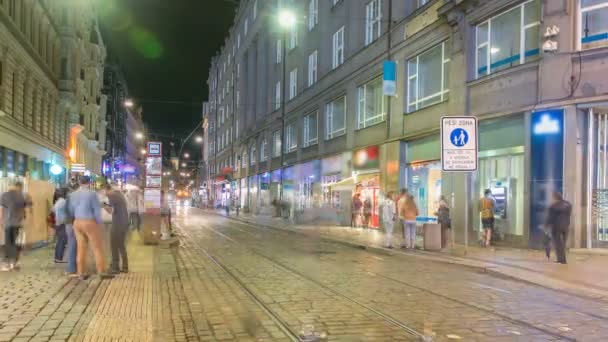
column 387, row 212
column 134, row 202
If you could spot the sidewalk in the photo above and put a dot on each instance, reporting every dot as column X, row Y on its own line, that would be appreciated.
column 39, row 303
column 585, row 274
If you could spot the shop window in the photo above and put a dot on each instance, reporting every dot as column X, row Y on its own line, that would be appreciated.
column 508, row 39
column 371, row 109
column 291, row 140
column 424, row 183
column 335, row 115
column 310, row 130
column 593, row 23
column 373, row 21
column 428, row 80
column 276, row 144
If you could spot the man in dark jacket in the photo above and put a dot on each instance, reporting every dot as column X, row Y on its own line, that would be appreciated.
column 559, row 222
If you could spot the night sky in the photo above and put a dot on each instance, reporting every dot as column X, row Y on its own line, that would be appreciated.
column 165, row 47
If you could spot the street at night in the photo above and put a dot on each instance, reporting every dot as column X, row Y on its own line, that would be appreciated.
column 303, row 170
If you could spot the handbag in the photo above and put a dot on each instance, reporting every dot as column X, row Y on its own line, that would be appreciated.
column 106, row 217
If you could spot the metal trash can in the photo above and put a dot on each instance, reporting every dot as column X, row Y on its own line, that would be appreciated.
column 432, row 236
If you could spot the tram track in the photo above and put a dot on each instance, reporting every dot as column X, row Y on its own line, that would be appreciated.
column 514, row 321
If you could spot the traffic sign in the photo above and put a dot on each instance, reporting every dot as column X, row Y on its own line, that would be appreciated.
column 459, row 143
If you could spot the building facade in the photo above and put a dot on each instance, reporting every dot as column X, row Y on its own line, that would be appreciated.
column 32, row 128
column 125, row 130
column 303, row 115
column 82, row 62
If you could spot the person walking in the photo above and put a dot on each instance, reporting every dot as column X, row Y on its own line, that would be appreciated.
column 367, row 211
column 558, row 221
column 117, row 205
column 443, row 217
column 133, row 204
column 486, row 208
column 60, row 233
column 13, row 204
column 71, row 269
column 387, row 210
column 408, row 211
column 84, row 205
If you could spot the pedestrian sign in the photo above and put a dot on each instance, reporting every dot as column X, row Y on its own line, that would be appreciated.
column 459, row 143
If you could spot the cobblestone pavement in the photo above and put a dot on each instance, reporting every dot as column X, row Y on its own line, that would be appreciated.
column 354, row 295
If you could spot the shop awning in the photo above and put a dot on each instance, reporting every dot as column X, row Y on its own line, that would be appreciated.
column 350, row 182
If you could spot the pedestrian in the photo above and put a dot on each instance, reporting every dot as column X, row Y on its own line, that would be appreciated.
column 356, row 205
column 71, row 269
column 60, row 233
column 14, row 204
column 367, row 211
column 387, row 210
column 486, row 208
column 133, row 198
column 117, row 205
column 84, row 205
column 408, row 211
column 443, row 217
column 559, row 222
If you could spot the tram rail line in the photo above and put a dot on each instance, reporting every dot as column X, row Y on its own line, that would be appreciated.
column 393, row 320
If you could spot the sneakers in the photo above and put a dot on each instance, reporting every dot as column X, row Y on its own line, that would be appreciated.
column 60, row 261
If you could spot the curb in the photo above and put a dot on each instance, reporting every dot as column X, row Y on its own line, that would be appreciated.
column 497, row 270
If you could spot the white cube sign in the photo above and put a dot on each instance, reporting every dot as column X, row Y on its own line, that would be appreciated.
column 459, row 143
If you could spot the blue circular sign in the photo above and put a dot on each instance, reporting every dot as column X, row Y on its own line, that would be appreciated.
column 459, row 137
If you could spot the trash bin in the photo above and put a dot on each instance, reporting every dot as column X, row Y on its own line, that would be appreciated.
column 150, row 228
column 432, row 236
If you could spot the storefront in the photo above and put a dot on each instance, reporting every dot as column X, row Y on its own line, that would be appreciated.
column 253, row 194
column 308, row 193
column 243, row 193
column 424, row 174
column 597, row 177
column 275, row 185
column 366, row 178
column 501, row 169
column 264, row 200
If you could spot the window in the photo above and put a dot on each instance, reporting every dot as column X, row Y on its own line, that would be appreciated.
column 428, row 77
column 263, row 156
column 293, row 83
column 312, row 68
column 277, row 95
column 293, row 37
column 335, row 117
column 508, row 39
column 279, row 51
column 291, row 140
column 246, row 28
column 310, row 130
column 255, row 9
column 371, row 108
column 236, row 128
column 252, row 155
column 276, row 144
column 238, row 70
column 238, row 41
column 594, row 23
column 237, row 162
column 244, row 160
column 238, row 94
column 313, row 14
column 221, row 115
column 422, row 3
column 373, row 21
column 338, row 48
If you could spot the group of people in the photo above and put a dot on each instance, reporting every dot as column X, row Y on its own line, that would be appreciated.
column 361, row 211
column 78, row 223
column 403, row 210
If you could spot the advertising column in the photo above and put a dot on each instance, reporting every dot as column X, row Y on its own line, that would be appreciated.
column 152, row 192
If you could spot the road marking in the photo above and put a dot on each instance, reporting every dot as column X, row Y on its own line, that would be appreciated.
column 490, row 288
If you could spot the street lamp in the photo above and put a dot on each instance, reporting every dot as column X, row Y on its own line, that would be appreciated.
column 143, row 151
column 183, row 164
column 186, row 155
column 129, row 103
column 287, row 19
column 199, row 139
column 139, row 135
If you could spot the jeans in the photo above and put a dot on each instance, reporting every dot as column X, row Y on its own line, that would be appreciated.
column 118, row 235
column 409, row 233
column 135, row 220
column 388, row 231
column 11, row 249
column 62, row 240
column 72, row 248
column 560, row 236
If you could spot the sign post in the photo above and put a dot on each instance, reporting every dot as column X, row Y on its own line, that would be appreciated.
column 459, row 149
column 152, row 192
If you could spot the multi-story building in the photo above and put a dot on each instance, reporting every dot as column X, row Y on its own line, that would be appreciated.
column 82, row 56
column 32, row 128
column 124, row 130
column 303, row 115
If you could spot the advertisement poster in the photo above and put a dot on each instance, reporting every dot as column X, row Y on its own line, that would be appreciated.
column 153, row 181
column 151, row 199
column 154, row 166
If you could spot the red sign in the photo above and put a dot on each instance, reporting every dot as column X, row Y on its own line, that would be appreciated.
column 367, row 158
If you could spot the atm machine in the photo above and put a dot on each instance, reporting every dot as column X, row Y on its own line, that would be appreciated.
column 504, row 191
